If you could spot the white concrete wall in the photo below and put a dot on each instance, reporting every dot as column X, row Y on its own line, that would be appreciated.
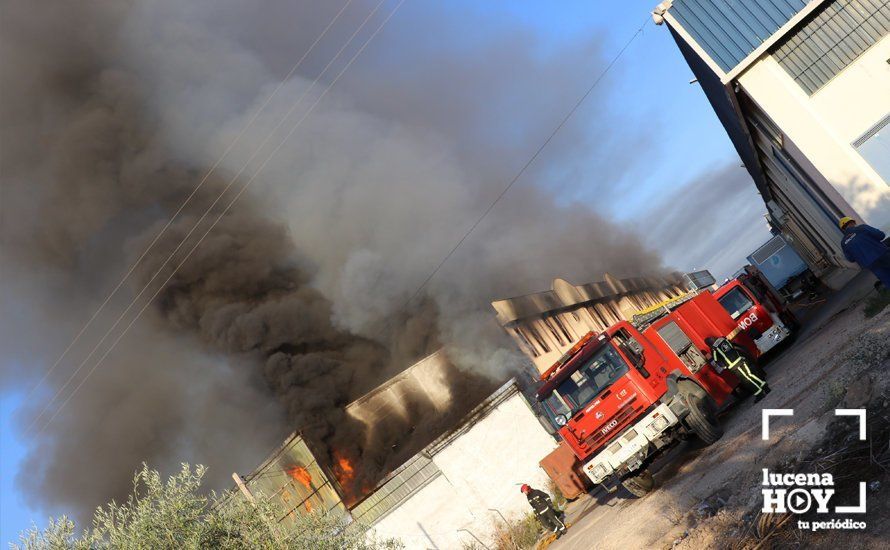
column 481, row 470
column 824, row 125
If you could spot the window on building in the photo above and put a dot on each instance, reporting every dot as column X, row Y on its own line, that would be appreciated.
column 528, row 345
column 599, row 321
column 563, row 329
column 830, row 39
column 539, row 339
column 548, row 322
column 874, row 146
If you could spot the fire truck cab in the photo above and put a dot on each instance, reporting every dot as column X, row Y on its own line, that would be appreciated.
column 623, row 396
column 757, row 309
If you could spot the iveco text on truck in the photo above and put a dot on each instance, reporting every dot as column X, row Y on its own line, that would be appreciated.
column 622, row 397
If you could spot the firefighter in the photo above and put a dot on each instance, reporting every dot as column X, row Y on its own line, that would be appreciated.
column 543, row 508
column 727, row 356
column 863, row 245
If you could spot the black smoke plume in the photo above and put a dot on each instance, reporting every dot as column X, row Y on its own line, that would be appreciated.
column 295, row 303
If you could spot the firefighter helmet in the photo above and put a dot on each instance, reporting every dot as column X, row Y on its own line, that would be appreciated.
column 844, row 221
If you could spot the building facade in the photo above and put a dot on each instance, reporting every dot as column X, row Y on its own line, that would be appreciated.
column 546, row 324
column 463, row 486
column 453, row 493
column 803, row 90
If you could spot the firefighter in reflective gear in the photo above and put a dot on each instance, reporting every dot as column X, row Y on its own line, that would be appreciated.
column 727, row 356
column 543, row 508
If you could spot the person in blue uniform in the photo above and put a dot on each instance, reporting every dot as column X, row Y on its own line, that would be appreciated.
column 863, row 244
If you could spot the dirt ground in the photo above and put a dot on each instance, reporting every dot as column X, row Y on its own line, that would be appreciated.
column 711, row 497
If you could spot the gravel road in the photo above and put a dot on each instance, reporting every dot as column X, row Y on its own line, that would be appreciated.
column 811, row 376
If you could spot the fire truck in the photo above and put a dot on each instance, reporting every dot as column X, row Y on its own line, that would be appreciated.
column 622, row 397
column 757, row 309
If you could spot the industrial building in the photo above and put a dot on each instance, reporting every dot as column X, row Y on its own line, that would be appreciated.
column 451, row 492
column 459, row 488
column 546, row 324
column 803, row 91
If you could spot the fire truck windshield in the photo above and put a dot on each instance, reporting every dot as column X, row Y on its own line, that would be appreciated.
column 598, row 373
column 735, row 302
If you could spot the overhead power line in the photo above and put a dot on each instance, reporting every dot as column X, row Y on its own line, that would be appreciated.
column 525, row 166
column 188, row 199
column 209, row 209
column 229, row 205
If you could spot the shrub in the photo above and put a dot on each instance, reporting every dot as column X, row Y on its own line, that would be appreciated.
column 175, row 514
column 521, row 534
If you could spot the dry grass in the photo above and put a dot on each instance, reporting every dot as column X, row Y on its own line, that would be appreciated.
column 673, row 513
column 877, row 303
column 519, row 534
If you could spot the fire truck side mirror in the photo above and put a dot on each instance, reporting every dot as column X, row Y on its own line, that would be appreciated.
column 547, row 425
column 637, row 354
column 637, row 349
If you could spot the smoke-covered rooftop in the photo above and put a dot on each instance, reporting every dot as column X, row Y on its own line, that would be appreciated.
column 297, row 301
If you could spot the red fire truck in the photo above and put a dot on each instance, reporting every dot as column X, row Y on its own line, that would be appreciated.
column 757, row 309
column 622, row 397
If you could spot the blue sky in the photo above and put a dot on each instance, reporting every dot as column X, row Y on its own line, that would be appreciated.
column 650, row 87
column 14, row 512
column 651, row 79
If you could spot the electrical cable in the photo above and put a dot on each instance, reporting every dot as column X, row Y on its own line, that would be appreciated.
column 519, row 174
column 204, row 215
column 565, row 119
column 188, row 199
column 226, row 210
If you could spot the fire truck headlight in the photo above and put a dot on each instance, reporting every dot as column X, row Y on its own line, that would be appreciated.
column 657, row 425
column 598, row 473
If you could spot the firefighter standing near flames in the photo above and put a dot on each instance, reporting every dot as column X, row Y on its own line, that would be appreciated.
column 726, row 356
column 543, row 508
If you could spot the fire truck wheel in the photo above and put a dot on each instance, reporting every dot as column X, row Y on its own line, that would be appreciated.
column 639, row 485
column 702, row 417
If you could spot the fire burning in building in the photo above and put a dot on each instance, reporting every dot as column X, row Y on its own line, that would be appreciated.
column 395, row 421
column 344, row 473
column 300, row 475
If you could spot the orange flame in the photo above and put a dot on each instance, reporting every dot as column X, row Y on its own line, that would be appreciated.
column 346, row 467
column 301, row 475
column 344, row 471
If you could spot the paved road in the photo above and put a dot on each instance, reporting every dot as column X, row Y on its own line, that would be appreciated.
column 689, row 475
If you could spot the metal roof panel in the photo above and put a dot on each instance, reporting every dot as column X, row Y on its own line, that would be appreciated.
column 729, row 30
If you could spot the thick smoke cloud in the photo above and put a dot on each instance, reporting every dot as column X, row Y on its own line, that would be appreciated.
column 296, row 302
column 712, row 222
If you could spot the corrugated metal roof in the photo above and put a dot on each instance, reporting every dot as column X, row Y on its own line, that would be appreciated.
column 541, row 304
column 729, row 30
column 831, row 38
